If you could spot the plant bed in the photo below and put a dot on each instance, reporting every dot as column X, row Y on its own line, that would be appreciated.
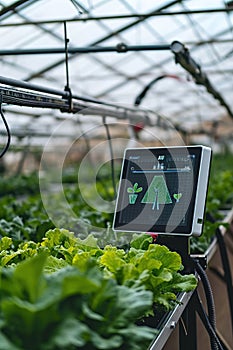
column 143, row 277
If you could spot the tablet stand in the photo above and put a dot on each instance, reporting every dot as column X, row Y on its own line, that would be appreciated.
column 187, row 322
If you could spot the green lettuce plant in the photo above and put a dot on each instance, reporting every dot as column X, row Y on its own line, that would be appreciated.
column 69, row 309
column 146, row 265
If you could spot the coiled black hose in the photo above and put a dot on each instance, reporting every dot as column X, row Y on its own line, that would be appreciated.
column 206, row 322
column 7, row 130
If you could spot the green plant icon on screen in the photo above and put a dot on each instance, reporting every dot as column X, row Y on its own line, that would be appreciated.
column 177, row 196
column 133, row 193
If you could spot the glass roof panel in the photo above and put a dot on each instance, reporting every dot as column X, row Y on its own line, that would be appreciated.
column 205, row 29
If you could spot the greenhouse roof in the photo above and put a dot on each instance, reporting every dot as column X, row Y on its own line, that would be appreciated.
column 52, row 44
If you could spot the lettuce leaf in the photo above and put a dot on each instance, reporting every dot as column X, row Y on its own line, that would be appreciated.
column 69, row 308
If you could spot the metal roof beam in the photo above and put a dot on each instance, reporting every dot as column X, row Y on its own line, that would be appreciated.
column 79, row 7
column 133, row 15
column 99, row 41
column 7, row 10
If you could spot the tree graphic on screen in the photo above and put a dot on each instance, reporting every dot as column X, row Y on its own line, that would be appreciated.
column 157, row 193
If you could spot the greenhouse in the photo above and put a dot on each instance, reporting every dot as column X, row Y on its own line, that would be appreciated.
column 116, row 164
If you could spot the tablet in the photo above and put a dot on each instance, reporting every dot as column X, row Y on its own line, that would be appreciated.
column 163, row 190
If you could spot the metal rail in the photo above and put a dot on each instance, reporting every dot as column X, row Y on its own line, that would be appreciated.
column 170, row 322
column 31, row 95
column 120, row 48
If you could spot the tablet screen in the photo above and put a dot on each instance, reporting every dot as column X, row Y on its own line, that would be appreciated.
column 157, row 190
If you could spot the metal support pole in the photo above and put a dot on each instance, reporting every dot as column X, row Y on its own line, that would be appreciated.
column 188, row 327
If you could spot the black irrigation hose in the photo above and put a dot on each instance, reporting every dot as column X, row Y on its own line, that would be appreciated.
column 226, row 266
column 209, row 327
column 7, row 130
column 140, row 97
column 210, row 301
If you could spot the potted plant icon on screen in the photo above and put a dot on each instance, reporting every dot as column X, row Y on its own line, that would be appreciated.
column 133, row 193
